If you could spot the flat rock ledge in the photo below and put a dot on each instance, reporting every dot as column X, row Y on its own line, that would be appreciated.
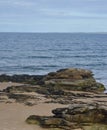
column 63, row 86
column 67, row 79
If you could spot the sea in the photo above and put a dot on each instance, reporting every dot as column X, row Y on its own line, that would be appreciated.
column 41, row 53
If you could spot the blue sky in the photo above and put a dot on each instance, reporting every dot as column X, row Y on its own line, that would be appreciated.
column 53, row 15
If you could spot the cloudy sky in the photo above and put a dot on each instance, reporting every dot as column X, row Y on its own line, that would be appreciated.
column 53, row 15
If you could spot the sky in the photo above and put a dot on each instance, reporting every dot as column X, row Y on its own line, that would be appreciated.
column 53, row 15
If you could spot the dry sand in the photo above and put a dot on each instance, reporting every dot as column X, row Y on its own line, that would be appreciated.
column 4, row 85
column 13, row 115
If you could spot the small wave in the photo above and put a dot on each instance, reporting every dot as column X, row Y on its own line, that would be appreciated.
column 6, row 50
column 40, row 57
column 60, row 50
column 33, row 68
column 40, row 50
column 50, row 66
column 96, row 64
column 81, row 56
column 7, row 57
column 40, row 67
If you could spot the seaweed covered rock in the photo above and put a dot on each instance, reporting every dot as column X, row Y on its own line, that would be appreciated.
column 24, row 78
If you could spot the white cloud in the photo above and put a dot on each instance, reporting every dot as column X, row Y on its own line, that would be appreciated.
column 70, row 13
column 17, row 2
column 23, row 3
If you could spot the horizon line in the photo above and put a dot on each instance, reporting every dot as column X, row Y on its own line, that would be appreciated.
column 49, row 32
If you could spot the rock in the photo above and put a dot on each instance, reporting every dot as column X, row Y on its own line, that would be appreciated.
column 58, row 123
column 58, row 86
column 85, row 116
column 64, row 79
column 30, row 103
column 30, row 79
column 70, row 73
column 95, row 127
column 34, row 119
column 21, row 89
column 51, row 122
column 20, row 97
column 88, row 109
column 83, row 113
column 73, row 79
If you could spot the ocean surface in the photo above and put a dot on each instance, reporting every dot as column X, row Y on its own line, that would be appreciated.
column 41, row 53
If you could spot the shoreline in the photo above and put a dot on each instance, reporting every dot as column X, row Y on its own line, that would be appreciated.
column 41, row 96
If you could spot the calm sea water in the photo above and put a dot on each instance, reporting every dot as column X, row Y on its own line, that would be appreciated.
column 40, row 53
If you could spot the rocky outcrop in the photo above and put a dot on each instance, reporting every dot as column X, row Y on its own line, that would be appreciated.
column 29, row 93
column 63, row 86
column 85, row 116
column 73, row 79
column 64, row 79
column 51, row 122
column 88, row 109
column 83, row 113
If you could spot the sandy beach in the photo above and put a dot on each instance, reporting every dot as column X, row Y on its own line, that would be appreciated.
column 13, row 115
